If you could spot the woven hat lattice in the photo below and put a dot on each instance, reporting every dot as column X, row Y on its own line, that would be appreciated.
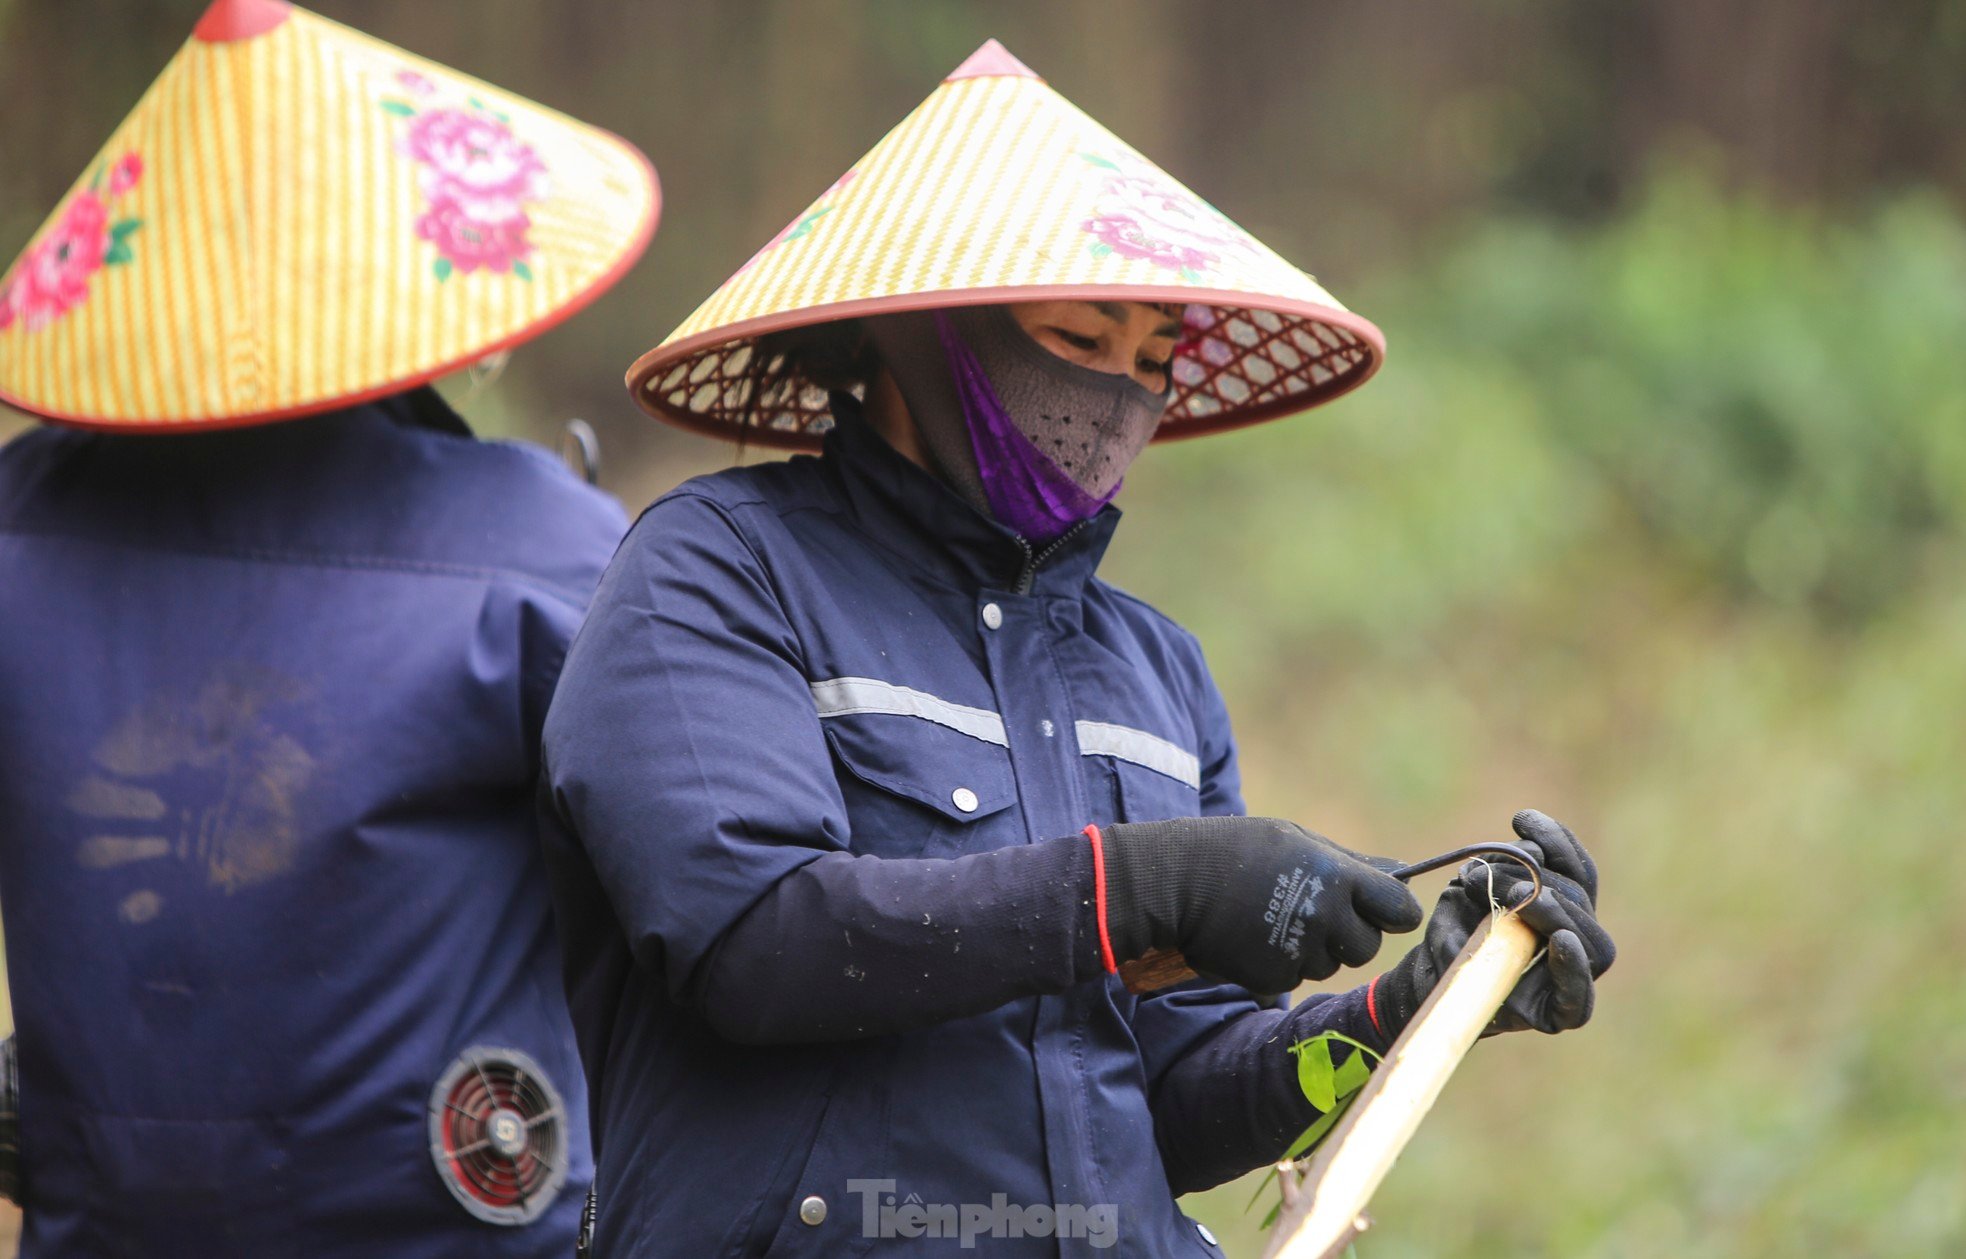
column 997, row 189
column 296, row 217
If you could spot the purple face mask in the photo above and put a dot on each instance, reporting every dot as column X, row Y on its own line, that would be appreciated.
column 1028, row 492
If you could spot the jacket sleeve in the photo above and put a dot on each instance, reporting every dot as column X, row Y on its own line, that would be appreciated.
column 684, row 752
column 1231, row 1103
column 1222, row 1081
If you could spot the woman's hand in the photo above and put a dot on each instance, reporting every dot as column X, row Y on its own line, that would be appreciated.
column 1558, row 993
column 1259, row 902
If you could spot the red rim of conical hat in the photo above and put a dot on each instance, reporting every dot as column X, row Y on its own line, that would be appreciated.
column 297, row 217
column 997, row 189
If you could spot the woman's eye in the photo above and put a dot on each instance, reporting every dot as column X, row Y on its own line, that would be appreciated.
column 1076, row 341
column 1155, row 366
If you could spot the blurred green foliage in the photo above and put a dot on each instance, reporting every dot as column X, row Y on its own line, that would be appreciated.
column 1656, row 526
column 1773, row 405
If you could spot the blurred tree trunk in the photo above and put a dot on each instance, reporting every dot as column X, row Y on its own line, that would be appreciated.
column 1756, row 81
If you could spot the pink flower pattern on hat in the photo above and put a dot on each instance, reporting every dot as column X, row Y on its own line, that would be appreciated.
column 124, row 175
column 468, row 242
column 53, row 275
column 1143, row 214
column 477, row 178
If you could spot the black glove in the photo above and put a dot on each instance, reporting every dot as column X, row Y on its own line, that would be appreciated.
column 1558, row 993
column 1257, row 901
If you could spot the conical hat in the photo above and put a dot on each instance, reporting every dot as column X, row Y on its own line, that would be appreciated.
column 997, row 189
column 296, row 217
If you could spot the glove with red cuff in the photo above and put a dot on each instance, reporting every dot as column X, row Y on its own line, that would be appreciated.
column 1259, row 902
column 847, row 947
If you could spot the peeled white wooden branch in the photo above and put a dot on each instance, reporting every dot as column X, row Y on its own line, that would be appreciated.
column 1324, row 1208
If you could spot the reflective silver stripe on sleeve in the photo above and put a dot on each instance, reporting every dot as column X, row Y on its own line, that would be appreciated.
column 1097, row 738
column 841, row 697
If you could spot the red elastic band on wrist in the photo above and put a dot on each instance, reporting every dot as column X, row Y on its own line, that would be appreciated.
column 1372, row 1005
column 1099, row 897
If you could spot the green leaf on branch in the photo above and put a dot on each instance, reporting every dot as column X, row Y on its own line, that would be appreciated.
column 1316, row 1075
column 118, row 231
column 1315, row 1133
column 1350, row 1075
column 523, row 271
column 402, row 109
column 442, row 268
column 1329, row 1086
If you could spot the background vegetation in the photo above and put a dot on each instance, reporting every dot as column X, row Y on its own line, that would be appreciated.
column 1653, row 520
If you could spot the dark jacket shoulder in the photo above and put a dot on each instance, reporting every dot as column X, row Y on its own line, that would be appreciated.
column 368, row 486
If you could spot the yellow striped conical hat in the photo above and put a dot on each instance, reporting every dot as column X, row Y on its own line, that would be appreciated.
column 296, row 217
column 998, row 189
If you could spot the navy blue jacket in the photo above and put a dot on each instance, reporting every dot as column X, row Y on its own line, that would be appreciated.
column 269, row 714
column 818, row 768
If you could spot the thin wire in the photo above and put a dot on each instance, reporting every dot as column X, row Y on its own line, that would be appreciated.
column 1518, row 855
column 483, row 374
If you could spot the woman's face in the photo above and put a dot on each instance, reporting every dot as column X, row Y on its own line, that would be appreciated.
column 1125, row 338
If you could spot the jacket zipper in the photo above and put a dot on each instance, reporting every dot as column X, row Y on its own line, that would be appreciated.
column 1029, row 573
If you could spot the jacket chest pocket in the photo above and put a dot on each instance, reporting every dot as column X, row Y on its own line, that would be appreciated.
column 1153, row 779
column 917, row 789
column 1147, row 796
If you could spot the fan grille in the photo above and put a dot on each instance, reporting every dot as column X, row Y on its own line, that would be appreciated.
column 498, row 1135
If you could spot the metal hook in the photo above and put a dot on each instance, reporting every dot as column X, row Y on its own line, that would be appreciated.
column 582, row 451
column 1511, row 851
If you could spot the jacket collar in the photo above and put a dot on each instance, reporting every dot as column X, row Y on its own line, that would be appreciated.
column 423, row 407
column 913, row 514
